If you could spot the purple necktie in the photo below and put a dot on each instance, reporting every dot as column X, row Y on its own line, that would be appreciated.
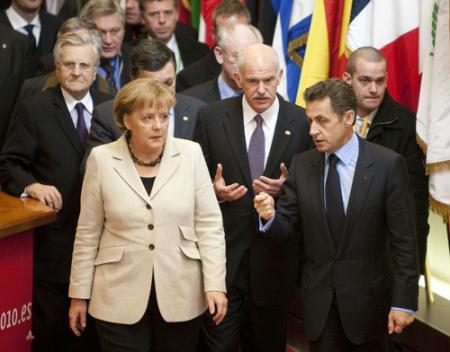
column 256, row 149
column 81, row 124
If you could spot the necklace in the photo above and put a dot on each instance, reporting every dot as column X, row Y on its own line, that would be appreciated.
column 152, row 163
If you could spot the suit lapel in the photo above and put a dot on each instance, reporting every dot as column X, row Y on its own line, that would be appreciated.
column 234, row 129
column 62, row 116
column 360, row 187
column 284, row 131
column 124, row 166
column 317, row 197
column 169, row 164
column 213, row 90
column 181, row 119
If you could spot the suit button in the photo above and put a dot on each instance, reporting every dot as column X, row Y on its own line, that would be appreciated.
column 150, row 226
column 148, row 206
column 151, row 246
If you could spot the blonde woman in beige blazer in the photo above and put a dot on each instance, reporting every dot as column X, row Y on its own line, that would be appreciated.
column 149, row 253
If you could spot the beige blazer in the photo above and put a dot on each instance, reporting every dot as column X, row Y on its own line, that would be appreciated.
column 125, row 236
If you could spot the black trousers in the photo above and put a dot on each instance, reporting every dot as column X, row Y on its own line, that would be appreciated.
column 259, row 328
column 51, row 324
column 151, row 333
column 333, row 338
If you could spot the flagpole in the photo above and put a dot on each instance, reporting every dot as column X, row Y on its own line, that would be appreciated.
column 427, row 276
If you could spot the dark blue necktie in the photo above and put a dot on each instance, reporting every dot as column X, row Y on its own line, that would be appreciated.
column 335, row 206
column 256, row 150
column 31, row 37
column 81, row 124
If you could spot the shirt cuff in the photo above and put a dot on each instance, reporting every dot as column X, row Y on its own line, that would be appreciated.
column 265, row 227
column 404, row 310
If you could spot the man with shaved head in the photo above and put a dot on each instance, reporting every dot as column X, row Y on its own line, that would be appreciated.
column 248, row 142
column 383, row 121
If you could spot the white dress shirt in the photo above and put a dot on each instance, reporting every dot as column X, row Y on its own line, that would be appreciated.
column 88, row 107
column 269, row 122
column 18, row 23
column 172, row 45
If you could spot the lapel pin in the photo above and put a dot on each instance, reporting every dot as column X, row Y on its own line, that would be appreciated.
column 287, row 133
column 365, row 178
column 185, row 118
column 4, row 45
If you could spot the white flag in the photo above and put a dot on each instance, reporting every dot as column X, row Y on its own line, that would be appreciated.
column 433, row 116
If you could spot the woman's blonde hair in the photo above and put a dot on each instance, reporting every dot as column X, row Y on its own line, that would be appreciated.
column 139, row 93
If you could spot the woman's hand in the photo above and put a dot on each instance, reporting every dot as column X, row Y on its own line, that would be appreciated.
column 217, row 305
column 77, row 315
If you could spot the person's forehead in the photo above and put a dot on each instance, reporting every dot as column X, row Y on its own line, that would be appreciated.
column 260, row 68
column 319, row 107
column 108, row 21
column 160, row 5
column 225, row 20
column 165, row 73
column 69, row 51
column 369, row 68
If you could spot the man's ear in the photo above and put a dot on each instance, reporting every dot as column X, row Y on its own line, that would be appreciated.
column 349, row 118
column 218, row 53
column 280, row 75
column 347, row 78
column 237, row 79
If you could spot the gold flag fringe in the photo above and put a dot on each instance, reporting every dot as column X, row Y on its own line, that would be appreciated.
column 432, row 167
column 440, row 209
column 438, row 167
column 421, row 144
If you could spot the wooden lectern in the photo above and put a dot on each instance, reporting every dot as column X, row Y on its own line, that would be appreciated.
column 18, row 218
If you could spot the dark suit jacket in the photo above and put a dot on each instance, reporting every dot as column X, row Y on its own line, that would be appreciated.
column 104, row 129
column 49, row 30
column 394, row 127
column 203, row 70
column 220, row 131
column 207, row 92
column 374, row 266
column 15, row 61
column 191, row 50
column 43, row 147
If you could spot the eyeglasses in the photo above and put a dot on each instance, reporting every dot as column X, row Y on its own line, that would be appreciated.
column 71, row 66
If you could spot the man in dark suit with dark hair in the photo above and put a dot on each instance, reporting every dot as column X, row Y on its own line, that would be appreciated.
column 150, row 58
column 40, row 27
column 207, row 68
column 15, row 61
column 41, row 158
column 349, row 204
column 160, row 20
column 248, row 142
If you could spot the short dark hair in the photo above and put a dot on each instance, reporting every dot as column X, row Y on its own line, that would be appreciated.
column 142, row 3
column 342, row 96
column 228, row 8
column 150, row 55
column 368, row 53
